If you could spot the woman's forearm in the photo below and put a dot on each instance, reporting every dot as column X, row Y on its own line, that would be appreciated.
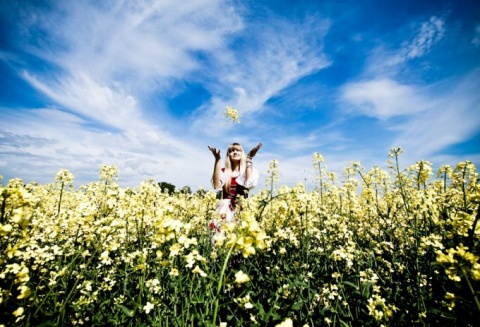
column 216, row 174
column 248, row 170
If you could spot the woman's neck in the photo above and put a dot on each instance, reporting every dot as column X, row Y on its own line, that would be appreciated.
column 236, row 167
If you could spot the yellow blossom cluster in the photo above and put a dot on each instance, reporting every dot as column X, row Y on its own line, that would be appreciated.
column 460, row 262
column 232, row 114
column 353, row 251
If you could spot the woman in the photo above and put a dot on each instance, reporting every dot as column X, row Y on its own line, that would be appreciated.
column 236, row 178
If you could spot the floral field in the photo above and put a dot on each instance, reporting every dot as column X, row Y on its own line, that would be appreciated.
column 373, row 247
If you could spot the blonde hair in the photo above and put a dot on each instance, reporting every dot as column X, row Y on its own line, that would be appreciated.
column 228, row 164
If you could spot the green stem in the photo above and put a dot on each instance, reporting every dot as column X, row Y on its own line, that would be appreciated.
column 60, row 200
column 463, row 188
column 321, row 182
column 220, row 283
column 401, row 184
column 477, row 300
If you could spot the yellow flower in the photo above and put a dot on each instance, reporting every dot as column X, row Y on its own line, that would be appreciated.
column 198, row 270
column 18, row 312
column 241, row 277
column 175, row 249
column 232, row 114
column 64, row 176
column 24, row 292
column 5, row 229
column 148, row 307
column 449, row 296
column 286, row 323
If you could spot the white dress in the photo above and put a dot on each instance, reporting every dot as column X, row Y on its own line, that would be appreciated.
column 227, row 205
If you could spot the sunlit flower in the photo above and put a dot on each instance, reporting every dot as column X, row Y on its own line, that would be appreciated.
column 24, row 292
column 109, row 172
column 286, row 323
column 198, row 270
column 241, row 277
column 148, row 307
column 18, row 312
column 362, row 230
column 232, row 114
column 64, row 177
column 5, row 229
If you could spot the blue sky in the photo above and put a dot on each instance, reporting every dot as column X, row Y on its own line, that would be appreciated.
column 144, row 84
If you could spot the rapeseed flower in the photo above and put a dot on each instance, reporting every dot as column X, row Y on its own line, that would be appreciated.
column 286, row 323
column 24, row 292
column 148, row 307
column 361, row 232
column 232, row 115
column 241, row 277
column 198, row 270
column 19, row 312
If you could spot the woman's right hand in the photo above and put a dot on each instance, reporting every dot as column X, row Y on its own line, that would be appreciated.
column 254, row 151
column 215, row 152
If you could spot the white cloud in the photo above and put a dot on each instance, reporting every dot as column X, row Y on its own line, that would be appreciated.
column 113, row 60
column 476, row 37
column 384, row 98
column 106, row 67
column 430, row 33
column 423, row 119
column 454, row 119
column 282, row 53
column 89, row 98
column 48, row 140
column 138, row 40
column 389, row 61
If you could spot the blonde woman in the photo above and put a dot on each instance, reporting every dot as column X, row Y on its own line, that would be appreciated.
column 235, row 179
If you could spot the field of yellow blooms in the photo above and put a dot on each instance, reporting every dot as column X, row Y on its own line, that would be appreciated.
column 395, row 247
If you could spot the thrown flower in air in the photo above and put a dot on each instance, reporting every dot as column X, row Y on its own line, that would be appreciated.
column 232, row 114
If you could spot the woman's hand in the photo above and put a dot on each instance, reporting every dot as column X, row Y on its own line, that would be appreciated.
column 215, row 152
column 254, row 151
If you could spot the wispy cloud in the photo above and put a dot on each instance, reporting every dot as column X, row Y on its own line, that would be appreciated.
column 385, row 98
column 140, row 39
column 91, row 99
column 429, row 33
column 108, row 76
column 278, row 54
column 454, row 119
column 476, row 36
column 105, row 70
column 379, row 92
column 434, row 116
column 57, row 139
column 390, row 59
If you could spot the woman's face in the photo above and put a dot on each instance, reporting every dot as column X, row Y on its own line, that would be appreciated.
column 235, row 153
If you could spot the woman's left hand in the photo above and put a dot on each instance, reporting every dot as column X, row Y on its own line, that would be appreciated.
column 254, row 151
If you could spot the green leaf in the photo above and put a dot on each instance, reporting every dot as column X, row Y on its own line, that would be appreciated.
column 366, row 290
column 47, row 324
column 126, row 310
column 298, row 282
column 346, row 282
column 297, row 305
